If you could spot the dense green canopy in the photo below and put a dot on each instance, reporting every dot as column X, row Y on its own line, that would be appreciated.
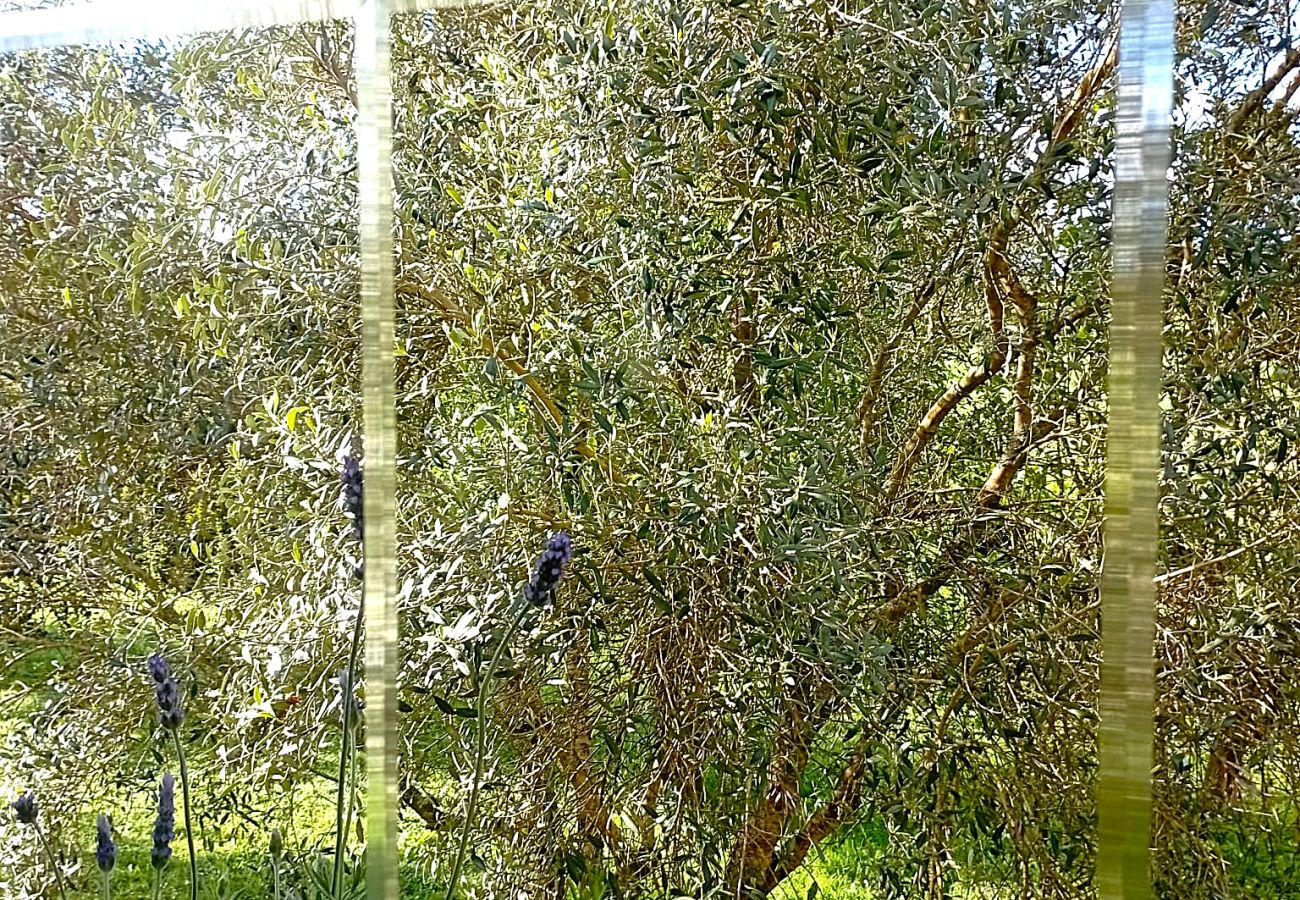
column 792, row 313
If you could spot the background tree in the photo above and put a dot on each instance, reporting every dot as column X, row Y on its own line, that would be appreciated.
column 793, row 313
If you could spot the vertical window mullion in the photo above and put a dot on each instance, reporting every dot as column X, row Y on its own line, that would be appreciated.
column 1140, row 209
column 374, row 164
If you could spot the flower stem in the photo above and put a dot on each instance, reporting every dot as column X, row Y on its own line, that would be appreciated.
column 54, row 861
column 342, row 808
column 189, row 828
column 341, row 814
column 480, row 710
column 352, row 784
column 275, row 879
column 107, row 895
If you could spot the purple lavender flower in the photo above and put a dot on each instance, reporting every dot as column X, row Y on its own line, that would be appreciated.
column 352, row 493
column 550, row 566
column 105, row 849
column 167, row 691
column 164, row 827
column 25, row 807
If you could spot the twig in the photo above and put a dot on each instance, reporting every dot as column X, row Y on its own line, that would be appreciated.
column 1231, row 554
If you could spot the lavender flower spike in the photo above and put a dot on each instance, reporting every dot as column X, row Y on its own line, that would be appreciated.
column 168, row 693
column 352, row 493
column 550, row 566
column 105, row 849
column 25, row 807
column 164, row 827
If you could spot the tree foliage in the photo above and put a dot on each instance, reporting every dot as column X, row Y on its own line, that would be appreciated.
column 794, row 314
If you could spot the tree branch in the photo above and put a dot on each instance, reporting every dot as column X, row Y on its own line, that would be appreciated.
column 1254, row 101
column 505, row 352
column 969, row 383
column 868, row 414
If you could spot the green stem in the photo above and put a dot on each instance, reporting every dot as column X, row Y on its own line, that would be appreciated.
column 275, row 879
column 342, row 815
column 480, row 710
column 189, row 827
column 157, row 883
column 54, row 860
column 107, row 893
column 352, row 784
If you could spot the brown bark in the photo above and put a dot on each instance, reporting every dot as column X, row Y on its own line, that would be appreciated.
column 1254, row 101
column 868, row 406
column 744, row 381
column 973, row 379
column 757, row 868
column 842, row 804
column 995, row 275
column 418, row 801
column 752, row 871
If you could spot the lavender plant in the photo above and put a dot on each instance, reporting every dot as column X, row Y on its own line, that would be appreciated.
column 24, row 806
column 105, row 851
column 353, row 496
column 171, row 715
column 539, row 592
column 164, row 831
column 168, row 693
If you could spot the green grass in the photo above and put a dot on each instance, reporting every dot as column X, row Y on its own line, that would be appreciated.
column 240, row 874
column 840, row 869
column 23, row 671
column 1267, row 868
column 1263, row 856
column 1264, row 861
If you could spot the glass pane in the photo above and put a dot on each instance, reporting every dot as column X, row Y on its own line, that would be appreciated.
column 180, row 341
column 794, row 318
column 1227, row 726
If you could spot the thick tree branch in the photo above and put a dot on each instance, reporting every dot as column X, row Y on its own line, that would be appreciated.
column 753, row 859
column 418, row 801
column 1013, row 459
column 968, row 384
column 1254, row 101
column 978, row 537
column 1067, row 119
column 843, row 803
column 868, row 406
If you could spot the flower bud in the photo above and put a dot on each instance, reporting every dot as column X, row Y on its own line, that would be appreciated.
column 164, row 827
column 25, row 807
column 167, row 691
column 352, row 494
column 105, row 849
column 540, row 590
